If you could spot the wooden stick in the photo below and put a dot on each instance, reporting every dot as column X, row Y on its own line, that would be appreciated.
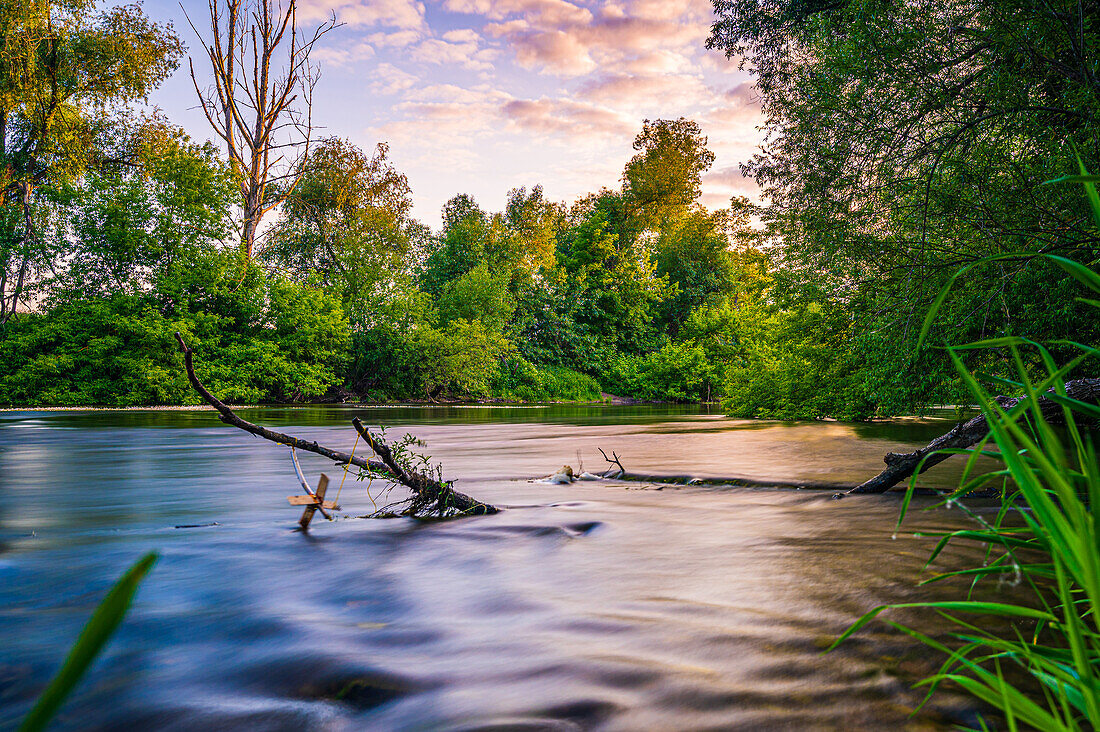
column 306, row 488
column 307, row 515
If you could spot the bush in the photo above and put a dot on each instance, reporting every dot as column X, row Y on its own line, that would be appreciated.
column 797, row 364
column 678, row 372
column 459, row 359
column 521, row 380
column 270, row 340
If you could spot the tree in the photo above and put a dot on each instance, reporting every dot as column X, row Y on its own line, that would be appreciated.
column 665, row 177
column 263, row 114
column 120, row 225
column 907, row 139
column 478, row 295
column 463, row 243
column 347, row 223
column 531, row 224
column 63, row 70
column 611, row 271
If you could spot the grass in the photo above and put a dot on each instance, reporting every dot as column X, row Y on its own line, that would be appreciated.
column 102, row 625
column 1044, row 672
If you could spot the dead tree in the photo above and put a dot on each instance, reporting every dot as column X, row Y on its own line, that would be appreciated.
column 900, row 466
column 263, row 114
column 428, row 496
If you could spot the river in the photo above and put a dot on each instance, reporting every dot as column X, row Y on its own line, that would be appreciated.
column 586, row 606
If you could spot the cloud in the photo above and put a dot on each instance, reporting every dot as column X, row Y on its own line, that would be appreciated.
column 397, row 39
column 566, row 117
column 566, row 39
column 730, row 177
column 457, row 94
column 742, row 95
column 541, row 12
column 342, row 57
column 406, row 14
column 388, row 79
column 465, row 52
column 626, row 90
column 556, row 51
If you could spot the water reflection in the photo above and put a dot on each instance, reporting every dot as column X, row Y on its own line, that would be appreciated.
column 583, row 606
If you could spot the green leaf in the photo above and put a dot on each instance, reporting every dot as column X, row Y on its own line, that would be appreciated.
column 102, row 625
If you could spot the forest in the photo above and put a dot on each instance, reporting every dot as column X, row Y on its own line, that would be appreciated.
column 901, row 147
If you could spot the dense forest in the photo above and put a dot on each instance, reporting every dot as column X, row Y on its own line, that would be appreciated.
column 904, row 141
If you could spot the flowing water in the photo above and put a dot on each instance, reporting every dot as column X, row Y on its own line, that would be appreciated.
column 586, row 606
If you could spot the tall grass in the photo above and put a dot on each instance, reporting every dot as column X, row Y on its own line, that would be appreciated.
column 1044, row 671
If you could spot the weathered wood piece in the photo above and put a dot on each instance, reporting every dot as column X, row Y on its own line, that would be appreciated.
column 307, row 515
column 900, row 466
column 309, row 500
column 305, row 486
column 425, row 489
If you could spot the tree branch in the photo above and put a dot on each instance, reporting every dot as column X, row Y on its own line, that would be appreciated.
column 427, row 492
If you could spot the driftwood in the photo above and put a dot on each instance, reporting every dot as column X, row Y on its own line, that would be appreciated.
column 900, row 466
column 613, row 460
column 428, row 495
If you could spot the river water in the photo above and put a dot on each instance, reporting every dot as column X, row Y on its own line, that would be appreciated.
column 587, row 606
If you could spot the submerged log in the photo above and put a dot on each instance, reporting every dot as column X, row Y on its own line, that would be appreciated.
column 429, row 496
column 900, row 466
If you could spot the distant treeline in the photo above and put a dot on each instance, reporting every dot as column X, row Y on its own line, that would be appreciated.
column 638, row 291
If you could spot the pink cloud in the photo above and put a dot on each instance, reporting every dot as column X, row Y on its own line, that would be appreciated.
column 561, row 38
column 566, row 117
column 640, row 91
column 464, row 53
column 390, row 13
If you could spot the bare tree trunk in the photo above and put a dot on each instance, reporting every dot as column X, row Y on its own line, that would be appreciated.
column 257, row 111
column 900, row 466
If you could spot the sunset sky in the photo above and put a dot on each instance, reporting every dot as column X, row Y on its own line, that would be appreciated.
column 481, row 96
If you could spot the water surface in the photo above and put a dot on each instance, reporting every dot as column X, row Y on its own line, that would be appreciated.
column 589, row 606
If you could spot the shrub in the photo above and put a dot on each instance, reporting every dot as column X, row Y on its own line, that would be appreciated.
column 519, row 379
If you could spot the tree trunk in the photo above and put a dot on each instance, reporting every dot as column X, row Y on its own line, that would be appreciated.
column 900, row 466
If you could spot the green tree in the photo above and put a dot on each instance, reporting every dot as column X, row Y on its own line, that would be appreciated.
column 122, row 224
column 906, row 139
column 461, row 246
column 602, row 295
column 64, row 70
column 347, row 223
column 478, row 295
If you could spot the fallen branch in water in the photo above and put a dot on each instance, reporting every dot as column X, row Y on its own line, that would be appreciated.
column 900, row 466
column 428, row 495
column 614, row 460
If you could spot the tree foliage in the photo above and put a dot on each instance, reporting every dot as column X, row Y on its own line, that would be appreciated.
column 907, row 139
column 66, row 71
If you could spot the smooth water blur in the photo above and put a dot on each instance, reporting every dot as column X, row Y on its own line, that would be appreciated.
column 593, row 605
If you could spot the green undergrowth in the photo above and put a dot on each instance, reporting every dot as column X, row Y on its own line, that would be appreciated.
column 521, row 380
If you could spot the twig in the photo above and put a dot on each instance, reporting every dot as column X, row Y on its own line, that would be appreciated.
column 614, row 460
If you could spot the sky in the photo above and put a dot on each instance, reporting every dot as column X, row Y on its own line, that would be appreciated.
column 482, row 96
